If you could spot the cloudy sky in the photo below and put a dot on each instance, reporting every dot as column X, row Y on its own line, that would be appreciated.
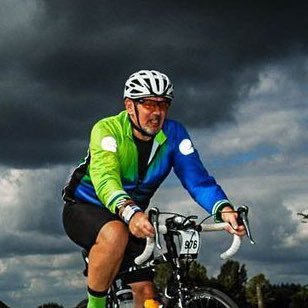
column 240, row 72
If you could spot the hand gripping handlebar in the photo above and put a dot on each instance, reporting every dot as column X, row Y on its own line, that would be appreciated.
column 162, row 229
column 149, row 247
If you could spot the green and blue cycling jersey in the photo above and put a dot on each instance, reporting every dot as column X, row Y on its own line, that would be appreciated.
column 109, row 173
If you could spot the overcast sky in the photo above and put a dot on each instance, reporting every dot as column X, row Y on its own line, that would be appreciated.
column 240, row 71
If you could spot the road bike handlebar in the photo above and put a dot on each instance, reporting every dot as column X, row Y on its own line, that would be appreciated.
column 236, row 243
column 161, row 229
column 149, row 247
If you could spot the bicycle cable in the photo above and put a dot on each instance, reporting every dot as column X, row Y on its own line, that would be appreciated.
column 206, row 218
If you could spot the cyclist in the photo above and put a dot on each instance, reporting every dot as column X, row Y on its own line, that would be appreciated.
column 129, row 156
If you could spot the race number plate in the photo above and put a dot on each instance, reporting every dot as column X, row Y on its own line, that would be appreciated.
column 190, row 242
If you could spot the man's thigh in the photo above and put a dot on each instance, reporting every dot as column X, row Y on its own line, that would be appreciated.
column 83, row 221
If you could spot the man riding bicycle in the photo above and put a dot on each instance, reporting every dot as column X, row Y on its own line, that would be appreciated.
column 129, row 156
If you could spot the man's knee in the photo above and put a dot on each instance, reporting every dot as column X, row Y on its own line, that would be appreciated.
column 108, row 251
column 114, row 233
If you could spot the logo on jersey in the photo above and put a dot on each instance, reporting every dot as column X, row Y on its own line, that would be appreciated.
column 109, row 144
column 186, row 147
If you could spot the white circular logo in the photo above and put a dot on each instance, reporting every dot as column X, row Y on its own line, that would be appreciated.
column 186, row 147
column 109, row 144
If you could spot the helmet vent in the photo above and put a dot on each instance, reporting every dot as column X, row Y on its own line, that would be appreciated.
column 147, row 83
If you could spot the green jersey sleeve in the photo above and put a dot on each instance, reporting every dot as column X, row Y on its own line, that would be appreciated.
column 105, row 168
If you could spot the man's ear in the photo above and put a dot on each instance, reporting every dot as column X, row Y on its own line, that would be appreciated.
column 129, row 106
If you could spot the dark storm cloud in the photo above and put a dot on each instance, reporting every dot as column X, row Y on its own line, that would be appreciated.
column 65, row 67
column 31, row 207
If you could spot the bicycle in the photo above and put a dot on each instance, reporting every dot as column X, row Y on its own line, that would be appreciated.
column 181, row 235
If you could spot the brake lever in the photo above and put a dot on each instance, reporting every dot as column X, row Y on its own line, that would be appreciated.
column 153, row 217
column 190, row 219
column 243, row 219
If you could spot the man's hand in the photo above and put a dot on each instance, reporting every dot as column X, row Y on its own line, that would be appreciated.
column 228, row 215
column 140, row 225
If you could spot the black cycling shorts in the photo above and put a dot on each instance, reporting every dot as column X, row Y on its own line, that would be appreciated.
column 82, row 223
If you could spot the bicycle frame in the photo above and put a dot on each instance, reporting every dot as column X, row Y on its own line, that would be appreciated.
column 172, row 257
column 177, row 226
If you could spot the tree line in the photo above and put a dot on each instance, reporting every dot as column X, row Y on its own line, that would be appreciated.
column 256, row 292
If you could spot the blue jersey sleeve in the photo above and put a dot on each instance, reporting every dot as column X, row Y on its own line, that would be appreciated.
column 188, row 167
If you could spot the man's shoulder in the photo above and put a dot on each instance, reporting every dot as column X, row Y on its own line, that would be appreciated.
column 173, row 127
column 114, row 124
column 115, row 120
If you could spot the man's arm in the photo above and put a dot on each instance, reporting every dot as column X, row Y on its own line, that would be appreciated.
column 106, row 178
column 202, row 187
column 105, row 167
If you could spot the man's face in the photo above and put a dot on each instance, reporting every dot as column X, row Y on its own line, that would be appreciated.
column 152, row 112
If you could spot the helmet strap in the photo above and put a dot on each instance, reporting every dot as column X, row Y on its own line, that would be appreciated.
column 139, row 127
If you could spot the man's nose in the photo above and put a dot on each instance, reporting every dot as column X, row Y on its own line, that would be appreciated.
column 156, row 109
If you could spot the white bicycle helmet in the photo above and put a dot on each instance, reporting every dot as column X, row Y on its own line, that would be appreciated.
column 147, row 83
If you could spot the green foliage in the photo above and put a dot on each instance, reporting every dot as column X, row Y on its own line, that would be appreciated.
column 258, row 290
column 275, row 296
column 233, row 279
column 300, row 299
column 281, row 295
column 162, row 274
column 195, row 274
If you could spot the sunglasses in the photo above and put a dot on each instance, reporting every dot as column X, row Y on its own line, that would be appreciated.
column 152, row 104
